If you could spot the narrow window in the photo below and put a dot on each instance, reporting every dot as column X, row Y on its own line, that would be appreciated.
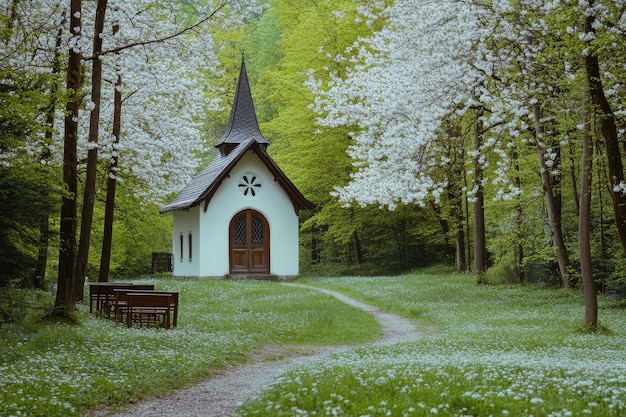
column 189, row 244
column 181, row 246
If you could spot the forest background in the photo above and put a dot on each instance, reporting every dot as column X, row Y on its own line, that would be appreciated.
column 488, row 135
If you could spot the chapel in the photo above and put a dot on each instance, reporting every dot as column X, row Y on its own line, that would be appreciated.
column 239, row 216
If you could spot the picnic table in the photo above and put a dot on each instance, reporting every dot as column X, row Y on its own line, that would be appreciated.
column 155, row 307
column 134, row 304
column 101, row 294
column 139, row 311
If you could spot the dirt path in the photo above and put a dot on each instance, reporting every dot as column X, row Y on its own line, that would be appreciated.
column 220, row 395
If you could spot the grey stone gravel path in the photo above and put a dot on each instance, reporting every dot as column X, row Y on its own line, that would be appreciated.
column 220, row 395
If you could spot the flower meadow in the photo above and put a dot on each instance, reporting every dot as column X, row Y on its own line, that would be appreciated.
column 65, row 370
column 501, row 350
column 498, row 351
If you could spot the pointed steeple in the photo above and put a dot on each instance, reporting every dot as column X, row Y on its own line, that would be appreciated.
column 242, row 124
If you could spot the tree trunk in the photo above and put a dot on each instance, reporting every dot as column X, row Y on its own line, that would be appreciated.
column 459, row 244
column 519, row 232
column 443, row 223
column 468, row 243
column 456, row 154
column 456, row 203
column 89, row 195
column 480, row 246
column 551, row 203
column 315, row 245
column 606, row 118
column 601, row 183
column 64, row 301
column 584, row 226
column 555, row 182
column 107, row 239
column 109, row 210
column 573, row 178
column 44, row 217
column 39, row 280
column 356, row 247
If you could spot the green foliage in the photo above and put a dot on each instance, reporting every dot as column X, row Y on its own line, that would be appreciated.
column 283, row 46
column 26, row 180
column 21, row 199
column 616, row 286
column 23, row 306
column 367, row 269
column 390, row 241
column 138, row 231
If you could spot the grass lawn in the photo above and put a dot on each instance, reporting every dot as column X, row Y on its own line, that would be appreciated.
column 506, row 350
column 62, row 370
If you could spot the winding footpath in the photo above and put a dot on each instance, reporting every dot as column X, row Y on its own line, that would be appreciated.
column 220, row 395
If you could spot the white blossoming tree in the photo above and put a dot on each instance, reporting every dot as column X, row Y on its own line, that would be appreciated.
column 155, row 59
column 161, row 51
column 416, row 78
column 506, row 72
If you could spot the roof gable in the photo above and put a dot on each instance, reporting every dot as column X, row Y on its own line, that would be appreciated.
column 204, row 185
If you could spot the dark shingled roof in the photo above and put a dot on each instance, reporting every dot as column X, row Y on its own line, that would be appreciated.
column 242, row 124
column 242, row 134
column 205, row 181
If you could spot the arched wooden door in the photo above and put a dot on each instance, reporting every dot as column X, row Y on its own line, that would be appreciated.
column 249, row 236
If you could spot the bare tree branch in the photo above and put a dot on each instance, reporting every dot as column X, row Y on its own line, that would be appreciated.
column 151, row 41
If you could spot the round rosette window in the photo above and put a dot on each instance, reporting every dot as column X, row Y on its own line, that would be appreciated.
column 250, row 185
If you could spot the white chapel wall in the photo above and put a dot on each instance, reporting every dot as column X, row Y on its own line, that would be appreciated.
column 271, row 201
column 186, row 224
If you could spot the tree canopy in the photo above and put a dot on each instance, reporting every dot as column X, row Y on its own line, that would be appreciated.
column 458, row 131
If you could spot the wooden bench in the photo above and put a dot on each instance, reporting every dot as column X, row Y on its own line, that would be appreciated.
column 99, row 294
column 119, row 305
column 152, row 307
column 108, row 305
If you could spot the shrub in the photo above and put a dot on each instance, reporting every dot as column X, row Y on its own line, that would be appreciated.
column 23, row 306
